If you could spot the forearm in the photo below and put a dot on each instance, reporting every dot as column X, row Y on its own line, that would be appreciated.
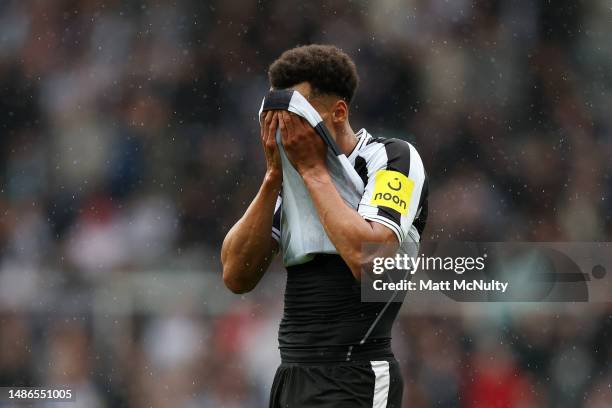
column 345, row 227
column 248, row 247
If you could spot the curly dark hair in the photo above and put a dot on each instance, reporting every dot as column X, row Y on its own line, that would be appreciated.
column 327, row 68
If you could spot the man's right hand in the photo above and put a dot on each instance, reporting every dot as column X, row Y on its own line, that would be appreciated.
column 268, row 140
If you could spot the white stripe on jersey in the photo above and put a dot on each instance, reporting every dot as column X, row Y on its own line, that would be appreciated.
column 276, row 234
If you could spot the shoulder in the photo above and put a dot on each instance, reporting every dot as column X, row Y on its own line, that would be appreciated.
column 383, row 145
column 389, row 153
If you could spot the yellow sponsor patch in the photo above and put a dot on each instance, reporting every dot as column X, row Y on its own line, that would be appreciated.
column 392, row 189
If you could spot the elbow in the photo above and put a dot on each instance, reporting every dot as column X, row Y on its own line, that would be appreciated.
column 360, row 261
column 231, row 275
column 356, row 271
column 354, row 260
column 235, row 284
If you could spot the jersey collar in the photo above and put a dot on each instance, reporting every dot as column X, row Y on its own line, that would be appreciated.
column 362, row 137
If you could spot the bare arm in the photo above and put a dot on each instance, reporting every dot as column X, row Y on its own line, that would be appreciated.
column 248, row 248
column 344, row 226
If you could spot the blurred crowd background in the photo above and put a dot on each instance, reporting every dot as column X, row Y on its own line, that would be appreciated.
column 129, row 146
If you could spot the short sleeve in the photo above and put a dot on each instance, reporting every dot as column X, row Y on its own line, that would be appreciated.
column 276, row 220
column 395, row 188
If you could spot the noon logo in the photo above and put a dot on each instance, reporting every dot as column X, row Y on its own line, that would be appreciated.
column 392, row 189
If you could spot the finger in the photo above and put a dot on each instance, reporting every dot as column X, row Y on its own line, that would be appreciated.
column 282, row 125
column 301, row 127
column 288, row 123
column 272, row 130
column 265, row 123
column 267, row 115
column 262, row 124
column 301, row 123
column 273, row 121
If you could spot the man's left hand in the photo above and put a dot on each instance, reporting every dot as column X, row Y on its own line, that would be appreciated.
column 304, row 147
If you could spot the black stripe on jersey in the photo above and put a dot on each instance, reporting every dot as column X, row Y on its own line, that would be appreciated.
column 398, row 155
column 390, row 214
column 421, row 220
column 326, row 136
column 276, row 219
column 277, row 100
column 376, row 140
column 361, row 167
column 398, row 159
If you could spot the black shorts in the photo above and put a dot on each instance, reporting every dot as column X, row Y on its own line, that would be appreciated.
column 355, row 384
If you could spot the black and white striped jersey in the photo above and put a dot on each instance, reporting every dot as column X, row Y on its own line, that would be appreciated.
column 395, row 183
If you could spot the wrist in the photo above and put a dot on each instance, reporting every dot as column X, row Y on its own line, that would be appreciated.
column 273, row 178
column 316, row 174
